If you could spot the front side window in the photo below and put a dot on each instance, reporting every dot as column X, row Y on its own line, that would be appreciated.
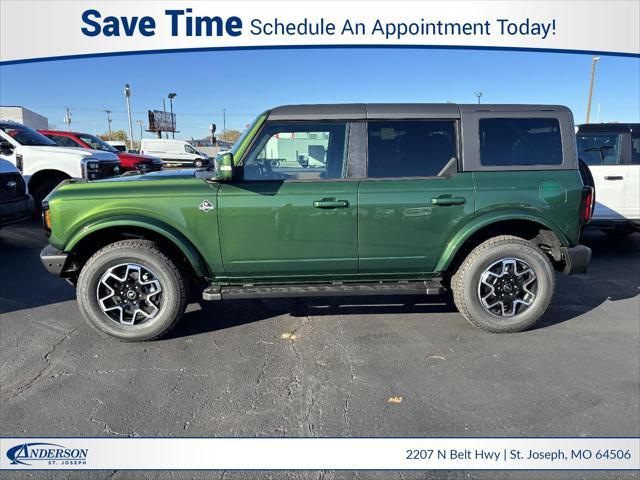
column 508, row 142
column 63, row 141
column 635, row 148
column 190, row 149
column 298, row 151
column 404, row 148
column 599, row 148
column 96, row 143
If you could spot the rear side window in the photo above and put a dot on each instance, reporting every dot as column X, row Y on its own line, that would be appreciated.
column 520, row 142
column 599, row 148
column 410, row 148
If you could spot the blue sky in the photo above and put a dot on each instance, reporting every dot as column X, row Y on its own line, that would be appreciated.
column 247, row 82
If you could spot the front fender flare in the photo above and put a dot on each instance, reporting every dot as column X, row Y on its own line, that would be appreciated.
column 478, row 223
column 167, row 231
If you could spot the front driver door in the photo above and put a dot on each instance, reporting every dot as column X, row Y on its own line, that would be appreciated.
column 292, row 211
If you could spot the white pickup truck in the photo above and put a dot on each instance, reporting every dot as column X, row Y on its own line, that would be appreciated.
column 44, row 164
column 612, row 151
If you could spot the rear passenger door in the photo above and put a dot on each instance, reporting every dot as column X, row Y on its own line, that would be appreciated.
column 413, row 197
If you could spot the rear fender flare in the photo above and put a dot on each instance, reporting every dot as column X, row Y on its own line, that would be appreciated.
column 463, row 234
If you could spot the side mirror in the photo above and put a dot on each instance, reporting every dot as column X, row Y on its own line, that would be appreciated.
column 225, row 167
column 6, row 146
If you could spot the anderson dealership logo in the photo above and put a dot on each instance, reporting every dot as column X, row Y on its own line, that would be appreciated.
column 47, row 454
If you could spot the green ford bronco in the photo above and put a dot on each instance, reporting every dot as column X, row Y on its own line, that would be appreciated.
column 484, row 201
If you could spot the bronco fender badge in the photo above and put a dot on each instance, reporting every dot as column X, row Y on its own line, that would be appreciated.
column 206, row 206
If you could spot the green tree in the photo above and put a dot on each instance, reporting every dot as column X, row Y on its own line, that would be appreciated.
column 119, row 135
column 229, row 136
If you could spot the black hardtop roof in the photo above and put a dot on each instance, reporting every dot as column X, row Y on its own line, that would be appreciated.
column 366, row 111
column 609, row 127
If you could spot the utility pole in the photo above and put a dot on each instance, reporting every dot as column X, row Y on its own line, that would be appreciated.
column 127, row 94
column 109, row 122
column 594, row 60
column 479, row 95
column 67, row 118
column 224, row 124
column 173, row 123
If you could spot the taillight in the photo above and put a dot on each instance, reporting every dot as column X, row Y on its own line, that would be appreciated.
column 586, row 209
column 46, row 217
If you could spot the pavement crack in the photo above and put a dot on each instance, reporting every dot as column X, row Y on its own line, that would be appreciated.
column 41, row 375
column 352, row 375
column 105, row 426
column 180, row 377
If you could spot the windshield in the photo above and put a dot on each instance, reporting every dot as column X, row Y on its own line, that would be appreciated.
column 25, row 135
column 96, row 143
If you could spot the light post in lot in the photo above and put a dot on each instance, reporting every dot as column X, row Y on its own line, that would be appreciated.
column 141, row 123
column 594, row 60
column 173, row 123
column 127, row 94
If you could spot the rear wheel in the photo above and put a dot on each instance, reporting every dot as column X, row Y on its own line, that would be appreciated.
column 505, row 285
column 132, row 291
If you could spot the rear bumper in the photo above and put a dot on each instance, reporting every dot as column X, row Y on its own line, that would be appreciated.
column 53, row 260
column 576, row 259
column 16, row 211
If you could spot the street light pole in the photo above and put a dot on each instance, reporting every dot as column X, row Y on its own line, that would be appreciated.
column 67, row 118
column 594, row 60
column 173, row 123
column 127, row 94
column 224, row 124
column 141, row 123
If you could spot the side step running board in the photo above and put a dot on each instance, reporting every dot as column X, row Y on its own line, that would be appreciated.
column 429, row 287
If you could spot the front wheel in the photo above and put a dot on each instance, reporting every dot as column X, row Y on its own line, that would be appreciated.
column 198, row 163
column 505, row 285
column 132, row 291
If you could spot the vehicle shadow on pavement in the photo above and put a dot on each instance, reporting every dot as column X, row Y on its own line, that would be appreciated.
column 228, row 314
column 24, row 282
column 613, row 275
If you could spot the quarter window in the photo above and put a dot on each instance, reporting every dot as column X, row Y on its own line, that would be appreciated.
column 599, row 148
column 520, row 142
column 298, row 151
column 410, row 148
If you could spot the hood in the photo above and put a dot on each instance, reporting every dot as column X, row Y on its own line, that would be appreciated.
column 136, row 157
column 82, row 152
column 153, row 176
column 7, row 167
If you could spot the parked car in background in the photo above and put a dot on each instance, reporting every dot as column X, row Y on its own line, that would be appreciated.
column 15, row 202
column 118, row 145
column 44, row 164
column 395, row 209
column 612, row 151
column 174, row 152
column 128, row 161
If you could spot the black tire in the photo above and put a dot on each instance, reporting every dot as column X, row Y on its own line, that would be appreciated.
column 465, row 284
column 40, row 193
column 198, row 163
column 142, row 252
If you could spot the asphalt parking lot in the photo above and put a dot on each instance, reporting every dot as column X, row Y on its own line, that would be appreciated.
column 323, row 368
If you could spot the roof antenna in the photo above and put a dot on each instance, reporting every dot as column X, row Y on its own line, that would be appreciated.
column 479, row 95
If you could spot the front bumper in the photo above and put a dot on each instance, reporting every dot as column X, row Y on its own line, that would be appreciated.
column 16, row 210
column 576, row 259
column 53, row 260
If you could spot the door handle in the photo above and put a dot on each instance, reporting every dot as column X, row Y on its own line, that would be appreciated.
column 614, row 177
column 446, row 201
column 331, row 203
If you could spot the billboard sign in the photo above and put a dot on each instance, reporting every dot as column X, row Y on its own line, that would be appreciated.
column 160, row 121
